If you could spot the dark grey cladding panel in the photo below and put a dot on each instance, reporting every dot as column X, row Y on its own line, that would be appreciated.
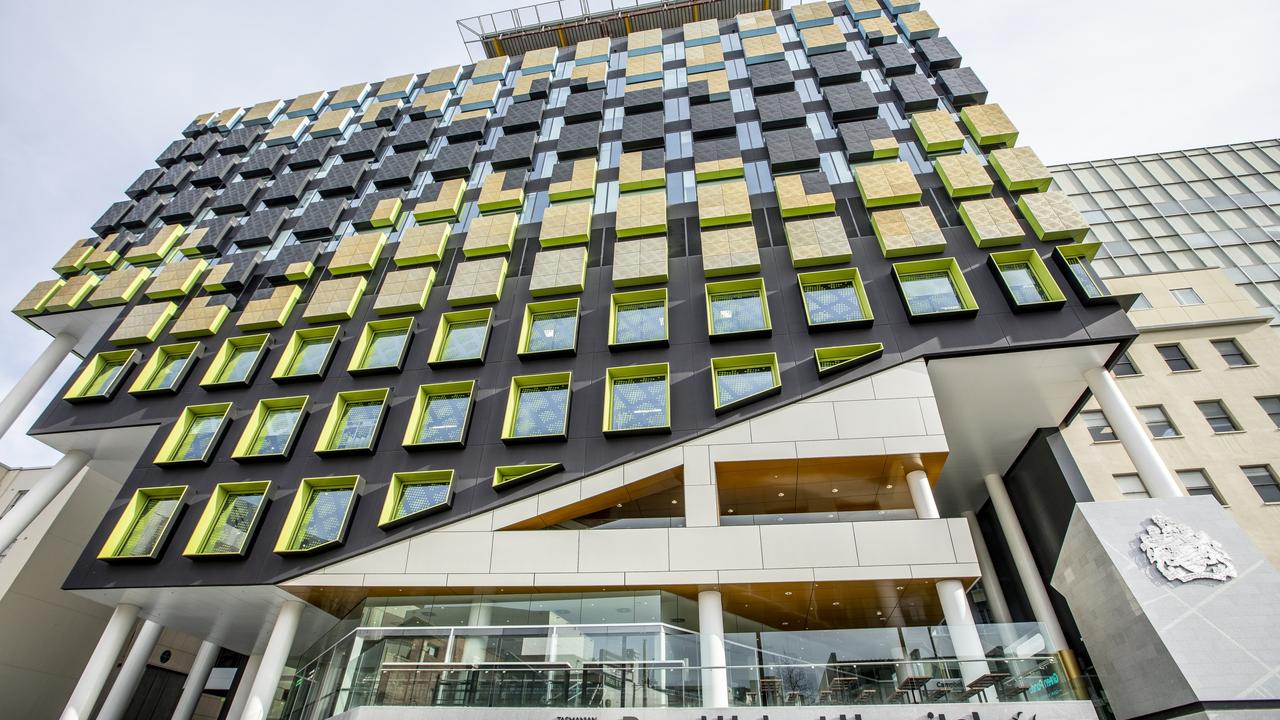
column 362, row 145
column 320, row 218
column 215, row 171
column 287, row 189
column 240, row 140
column 398, row 169
column 466, row 130
column 579, row 140
column 311, row 153
column 653, row 158
column 835, row 68
column 815, row 183
column 791, row 149
column 963, row 85
column 173, row 153
column 514, row 150
column 343, row 179
column 277, row 269
column 939, row 53
column 539, row 88
column 362, row 218
column 263, row 162
column 642, row 101
column 851, row 101
column 896, row 59
column 916, row 92
column 216, row 236
column 454, row 161
column 142, row 185
column 514, row 179
column 386, row 117
column 701, row 91
column 712, row 119
column 242, row 265
column 142, row 213
column 186, row 205
column 857, row 137
column 237, row 197
column 111, row 217
column 772, row 77
column 642, row 131
column 781, row 110
column 260, row 228
column 174, row 177
column 584, row 106
column 523, row 116
column 414, row 135
column 716, row 149
column 201, row 147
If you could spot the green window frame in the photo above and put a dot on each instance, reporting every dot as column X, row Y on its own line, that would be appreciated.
column 412, row 495
column 462, row 338
column 307, row 354
column 145, row 524
column 637, row 399
column 838, row 358
column 737, row 309
column 441, row 415
column 194, row 437
column 742, row 379
column 236, row 362
column 538, row 407
column 1074, row 262
column 1025, row 281
column 507, row 476
column 272, row 429
column 229, row 521
column 638, row 319
column 550, row 328
column 102, row 376
column 934, row 289
column 835, row 299
column 382, row 347
column 353, row 423
column 166, row 370
column 319, row 515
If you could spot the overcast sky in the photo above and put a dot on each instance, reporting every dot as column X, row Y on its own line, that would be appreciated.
column 95, row 90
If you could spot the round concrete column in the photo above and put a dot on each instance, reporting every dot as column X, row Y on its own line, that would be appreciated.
column 196, row 679
column 964, row 633
column 1132, row 433
column 34, row 378
column 715, row 676
column 20, row 516
column 95, row 673
column 273, row 660
column 922, row 495
column 990, row 583
column 243, row 688
column 130, row 672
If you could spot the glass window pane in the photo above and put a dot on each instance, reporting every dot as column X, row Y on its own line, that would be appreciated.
column 1080, row 270
column 1099, row 429
column 639, row 403
column 323, row 516
column 734, row 384
column 357, row 423
column 464, row 340
column 540, row 410
column 1271, row 406
column 1186, row 296
column 1197, row 483
column 931, row 292
column 552, row 331
column 1215, row 413
column 444, row 418
column 277, row 427
column 832, row 302
column 102, row 381
column 239, row 364
column 733, row 312
column 150, row 523
column 1022, row 283
column 1131, row 486
column 310, row 357
column 232, row 523
column 1157, row 421
column 385, row 348
column 167, row 373
column 1175, row 358
column 640, row 322
column 1124, row 367
column 416, row 497
column 1263, row 482
column 195, row 443
column 1231, row 353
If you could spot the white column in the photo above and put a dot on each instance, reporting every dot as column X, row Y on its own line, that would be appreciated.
column 1132, row 433
column 130, row 672
column 715, row 676
column 20, row 516
column 990, row 583
column 1028, row 573
column 196, row 680
column 33, row 379
column 244, row 687
column 273, row 660
column 96, row 671
column 922, row 495
column 474, row 647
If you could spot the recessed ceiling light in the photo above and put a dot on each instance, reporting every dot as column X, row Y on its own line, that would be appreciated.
column 836, row 602
column 884, row 619
column 782, row 494
column 784, row 622
column 878, row 612
column 619, row 504
column 888, row 487
column 835, row 490
column 730, row 509
column 787, row 592
column 675, row 502
column 900, row 587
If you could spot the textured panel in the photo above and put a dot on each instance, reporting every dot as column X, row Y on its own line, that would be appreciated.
column 320, row 218
column 37, row 298
column 756, row 23
column 578, row 140
column 333, row 122
column 362, row 145
column 642, row 131
column 717, row 159
column 489, row 69
column 173, row 178
column 937, row 131
column 143, row 183
column 584, row 106
column 1020, row 168
column 642, row 68
column 730, row 251
column 112, row 217
column 404, row 291
column 792, row 149
column 232, row 272
column 644, row 97
column 704, row 58
column 442, row 78
column 1052, row 216
column 203, row 316
column 915, row 92
column 811, row 14
column 563, row 270
column 709, row 87
column 886, row 184
column 591, row 77
column 780, row 110
column 851, row 101
column 514, row 150
column 478, row 281
column 414, row 135
column 963, row 175
column 640, row 170
column 397, row 170
column 378, row 210
column 311, row 153
column 939, row 53
column 723, row 203
column 429, row 105
column 640, row 262
column 907, row 231
column 712, row 119
column 642, row 213
column 573, row 180
column 502, row 190
column 481, row 95
column 491, row 235
column 177, row 279
column 806, row 194
column 143, row 324
column 895, row 59
column 771, row 77
column 877, row 30
column 306, row 105
column 868, row 140
column 566, row 223
column 421, row 244
column 523, row 116
column 454, row 161
column 238, row 197
column 154, row 245
column 591, row 51
column 536, row 61
column 991, row 223
column 208, row 238
column 119, row 286
column 269, row 308
column 918, row 25
column 263, row 162
column 350, row 95
column 239, row 141
column 762, row 48
column 73, row 259
column 380, row 114
column 186, row 205
column 334, row 299
column 644, row 42
column 439, row 200
column 286, row 189
column 294, row 263
column 703, row 32
column 963, row 85
column 835, row 68
column 822, row 39
column 817, row 241
column 989, row 125
column 357, row 253
column 531, row 87
column 71, row 293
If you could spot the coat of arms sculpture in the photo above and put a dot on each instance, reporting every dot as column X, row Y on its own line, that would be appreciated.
column 1183, row 554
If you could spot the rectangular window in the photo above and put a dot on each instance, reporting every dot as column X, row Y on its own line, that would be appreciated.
column 1186, row 296
column 638, row 319
column 538, row 407
column 1124, row 367
column 834, row 299
column 1140, row 302
column 637, row 399
column 101, row 376
column 271, row 430
column 1130, row 486
column 1158, row 421
column 353, row 422
column 440, row 415
column 1215, row 413
column 1263, row 481
column 739, row 380
column 505, row 476
column 1271, row 406
column 194, row 435
column 737, row 308
column 164, row 372
column 229, row 520
column 1197, row 483
column 307, row 355
column 412, row 495
column 837, row 358
column 934, row 289
column 1099, row 429
column 143, row 527
column 1074, row 260
column 235, row 362
column 319, row 514
column 1175, row 358
column 382, row 346
column 1231, row 352
column 1025, row 280
column 549, row 328
column 461, row 338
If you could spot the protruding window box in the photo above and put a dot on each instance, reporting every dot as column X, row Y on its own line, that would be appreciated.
column 319, row 515
column 167, row 369
column 835, row 300
column 1074, row 261
column 382, row 347
column 744, row 379
column 549, row 329
column 353, row 423
column 737, row 309
column 538, row 408
column 145, row 525
column 1025, row 281
column 934, row 290
column 637, row 400
column 229, row 521
column 507, row 476
column 272, row 430
column 307, row 355
column 441, row 415
column 194, row 436
column 236, row 362
column 638, row 319
column 414, row 495
column 837, row 359
column 102, row 376
column 461, row 338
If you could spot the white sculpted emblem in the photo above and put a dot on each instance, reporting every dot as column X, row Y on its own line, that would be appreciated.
column 1183, row 554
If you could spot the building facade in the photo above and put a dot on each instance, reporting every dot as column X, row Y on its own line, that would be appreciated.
column 646, row 375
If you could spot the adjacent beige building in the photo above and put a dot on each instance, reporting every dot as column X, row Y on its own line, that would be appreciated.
column 1204, row 376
